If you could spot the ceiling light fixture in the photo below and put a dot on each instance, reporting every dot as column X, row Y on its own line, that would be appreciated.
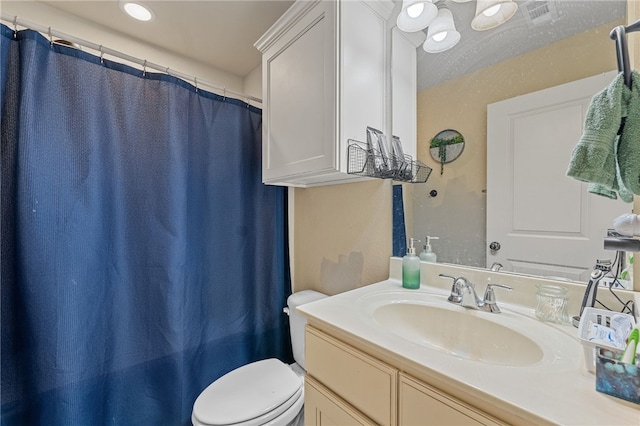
column 137, row 11
column 491, row 13
column 442, row 34
column 416, row 15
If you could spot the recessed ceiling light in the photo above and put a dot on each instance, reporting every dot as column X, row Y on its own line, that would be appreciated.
column 137, row 10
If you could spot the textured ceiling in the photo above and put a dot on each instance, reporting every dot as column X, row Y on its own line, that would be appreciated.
column 222, row 33
column 477, row 50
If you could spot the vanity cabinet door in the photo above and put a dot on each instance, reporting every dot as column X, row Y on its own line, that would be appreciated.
column 323, row 408
column 367, row 384
column 421, row 404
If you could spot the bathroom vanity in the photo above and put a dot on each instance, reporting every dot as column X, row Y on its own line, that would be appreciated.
column 385, row 355
column 360, row 387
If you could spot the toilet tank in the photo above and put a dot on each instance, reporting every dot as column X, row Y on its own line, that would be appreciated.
column 297, row 321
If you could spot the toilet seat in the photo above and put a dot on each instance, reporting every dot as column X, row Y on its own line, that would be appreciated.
column 254, row 394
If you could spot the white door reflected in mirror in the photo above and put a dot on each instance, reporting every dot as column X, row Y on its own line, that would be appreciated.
column 546, row 223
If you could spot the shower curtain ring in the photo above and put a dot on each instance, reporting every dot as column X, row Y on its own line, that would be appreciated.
column 144, row 68
column 50, row 37
column 15, row 26
column 195, row 81
column 224, row 93
column 101, row 55
column 167, row 71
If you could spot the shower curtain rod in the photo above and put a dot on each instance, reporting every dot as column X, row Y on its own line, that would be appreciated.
column 15, row 21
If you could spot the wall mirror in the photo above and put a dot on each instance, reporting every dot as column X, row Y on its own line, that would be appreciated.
column 562, row 42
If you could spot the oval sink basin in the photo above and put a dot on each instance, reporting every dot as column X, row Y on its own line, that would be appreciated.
column 458, row 331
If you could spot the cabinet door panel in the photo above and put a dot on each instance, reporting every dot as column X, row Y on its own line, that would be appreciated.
column 404, row 99
column 420, row 404
column 362, row 71
column 323, row 408
column 366, row 383
column 299, row 78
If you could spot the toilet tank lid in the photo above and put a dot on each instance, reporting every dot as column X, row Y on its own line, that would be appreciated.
column 305, row 296
column 247, row 392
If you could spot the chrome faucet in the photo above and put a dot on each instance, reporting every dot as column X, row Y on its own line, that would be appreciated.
column 463, row 293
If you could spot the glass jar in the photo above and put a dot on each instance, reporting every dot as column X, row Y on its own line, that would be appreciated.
column 552, row 303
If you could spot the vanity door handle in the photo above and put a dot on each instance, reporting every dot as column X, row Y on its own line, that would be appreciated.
column 494, row 246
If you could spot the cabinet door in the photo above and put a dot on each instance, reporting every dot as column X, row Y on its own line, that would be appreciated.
column 404, row 84
column 366, row 383
column 363, row 73
column 323, row 408
column 420, row 404
column 299, row 78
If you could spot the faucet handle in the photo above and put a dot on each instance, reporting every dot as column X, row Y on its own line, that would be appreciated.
column 447, row 276
column 456, row 293
column 490, row 297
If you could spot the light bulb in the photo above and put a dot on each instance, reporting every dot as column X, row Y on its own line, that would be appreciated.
column 415, row 10
column 492, row 10
column 138, row 11
column 439, row 36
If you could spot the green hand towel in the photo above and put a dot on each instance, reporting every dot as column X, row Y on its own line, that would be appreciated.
column 598, row 189
column 628, row 155
column 593, row 158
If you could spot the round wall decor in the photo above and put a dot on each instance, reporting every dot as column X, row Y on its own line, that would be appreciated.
column 446, row 146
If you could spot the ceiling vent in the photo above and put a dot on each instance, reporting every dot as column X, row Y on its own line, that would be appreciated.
column 538, row 12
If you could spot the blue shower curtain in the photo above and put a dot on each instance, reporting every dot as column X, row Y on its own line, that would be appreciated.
column 142, row 257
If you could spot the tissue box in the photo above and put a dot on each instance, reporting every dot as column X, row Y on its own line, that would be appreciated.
column 616, row 378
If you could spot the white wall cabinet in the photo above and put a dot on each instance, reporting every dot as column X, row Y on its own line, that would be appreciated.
column 326, row 76
column 345, row 385
column 404, row 82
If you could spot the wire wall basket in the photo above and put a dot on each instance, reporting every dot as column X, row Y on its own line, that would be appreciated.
column 370, row 162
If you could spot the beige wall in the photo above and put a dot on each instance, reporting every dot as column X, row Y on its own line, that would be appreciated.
column 457, row 214
column 341, row 236
column 253, row 83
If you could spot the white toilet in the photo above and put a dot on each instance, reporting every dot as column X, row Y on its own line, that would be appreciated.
column 266, row 392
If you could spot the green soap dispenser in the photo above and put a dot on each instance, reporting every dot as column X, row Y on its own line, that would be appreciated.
column 411, row 268
column 427, row 254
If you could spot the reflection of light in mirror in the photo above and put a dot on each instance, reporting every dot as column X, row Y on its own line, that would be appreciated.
column 415, row 10
column 491, row 11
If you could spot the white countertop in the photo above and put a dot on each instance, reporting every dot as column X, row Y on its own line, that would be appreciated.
column 557, row 389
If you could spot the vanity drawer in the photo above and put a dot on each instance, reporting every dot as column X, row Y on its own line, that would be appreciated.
column 419, row 401
column 364, row 382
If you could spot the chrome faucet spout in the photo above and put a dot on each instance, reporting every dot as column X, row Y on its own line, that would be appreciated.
column 463, row 293
column 469, row 297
